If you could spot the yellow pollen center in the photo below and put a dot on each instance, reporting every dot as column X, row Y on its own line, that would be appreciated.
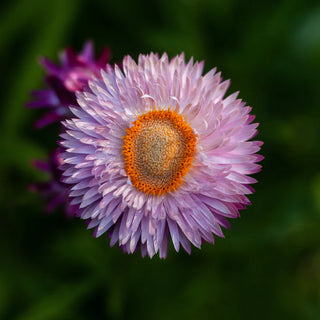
column 158, row 151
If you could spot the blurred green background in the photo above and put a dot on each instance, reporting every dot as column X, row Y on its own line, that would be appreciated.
column 268, row 266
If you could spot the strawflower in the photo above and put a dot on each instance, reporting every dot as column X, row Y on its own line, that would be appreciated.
column 155, row 152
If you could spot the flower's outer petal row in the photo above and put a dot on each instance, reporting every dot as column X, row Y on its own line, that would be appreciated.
column 215, row 187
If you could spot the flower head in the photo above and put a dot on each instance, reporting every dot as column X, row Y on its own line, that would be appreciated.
column 64, row 80
column 155, row 152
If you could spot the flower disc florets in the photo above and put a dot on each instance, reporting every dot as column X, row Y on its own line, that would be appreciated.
column 158, row 151
column 155, row 152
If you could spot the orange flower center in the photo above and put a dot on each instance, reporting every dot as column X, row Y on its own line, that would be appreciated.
column 158, row 151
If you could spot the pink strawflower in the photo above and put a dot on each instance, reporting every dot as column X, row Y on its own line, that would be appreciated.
column 155, row 152
column 64, row 80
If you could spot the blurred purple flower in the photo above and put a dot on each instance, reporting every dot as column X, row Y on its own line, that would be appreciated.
column 64, row 80
column 54, row 191
column 156, row 152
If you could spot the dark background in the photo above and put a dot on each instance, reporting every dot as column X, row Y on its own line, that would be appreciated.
column 268, row 266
